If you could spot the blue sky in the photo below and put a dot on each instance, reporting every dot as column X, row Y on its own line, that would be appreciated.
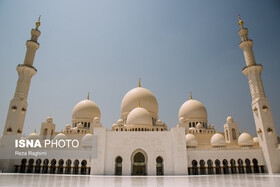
column 103, row 47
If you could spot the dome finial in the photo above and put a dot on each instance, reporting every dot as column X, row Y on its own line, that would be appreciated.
column 139, row 104
column 240, row 22
column 38, row 23
column 88, row 96
column 34, row 130
column 139, row 83
column 191, row 95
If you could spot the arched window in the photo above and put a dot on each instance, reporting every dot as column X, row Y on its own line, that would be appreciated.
column 118, row 165
column 30, row 166
column 256, row 166
column 225, row 164
column 248, row 166
column 84, row 167
column 45, row 133
column 45, row 166
column 60, row 166
column 240, row 166
column 88, row 124
column 218, row 166
column 38, row 166
column 233, row 134
column 227, row 135
column 68, row 167
column 52, row 169
column 233, row 166
column 76, row 167
column 159, row 165
column 190, row 124
column 202, row 167
column 85, row 124
column 210, row 167
column 23, row 165
column 51, row 134
column 194, row 167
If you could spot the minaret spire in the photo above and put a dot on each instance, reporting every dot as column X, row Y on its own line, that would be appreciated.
column 18, row 105
column 260, row 104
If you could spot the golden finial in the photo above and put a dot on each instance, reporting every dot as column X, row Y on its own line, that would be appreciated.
column 88, row 96
column 38, row 23
column 243, row 131
column 191, row 95
column 139, row 83
column 139, row 104
column 61, row 131
column 34, row 130
column 240, row 22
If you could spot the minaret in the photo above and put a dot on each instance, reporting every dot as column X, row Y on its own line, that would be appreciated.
column 260, row 105
column 18, row 105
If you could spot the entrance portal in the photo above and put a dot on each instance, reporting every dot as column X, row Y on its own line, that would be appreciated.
column 139, row 164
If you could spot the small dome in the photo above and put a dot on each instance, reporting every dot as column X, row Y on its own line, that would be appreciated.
column 159, row 122
column 120, row 122
column 139, row 116
column 229, row 119
column 80, row 125
column 191, row 140
column 60, row 136
column 256, row 140
column 87, row 140
column 199, row 126
column 245, row 139
column 211, row 126
column 218, row 140
column 182, row 120
column 85, row 110
column 193, row 109
column 49, row 119
column 67, row 126
column 132, row 98
column 33, row 136
column 96, row 119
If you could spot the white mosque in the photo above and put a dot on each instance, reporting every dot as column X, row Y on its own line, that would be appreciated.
column 139, row 143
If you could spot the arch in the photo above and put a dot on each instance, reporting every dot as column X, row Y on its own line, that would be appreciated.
column 210, row 167
column 202, row 167
column 233, row 166
column 240, row 166
column 45, row 133
column 30, row 166
column 52, row 169
column 23, row 166
column 256, row 166
column 38, row 166
column 233, row 134
column 84, row 167
column 218, row 166
column 76, row 167
column 159, row 165
column 194, row 167
column 118, row 165
column 45, row 166
column 60, row 166
column 139, row 160
column 248, row 166
column 225, row 166
column 68, row 167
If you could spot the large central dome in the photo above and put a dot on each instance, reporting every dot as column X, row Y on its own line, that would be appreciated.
column 144, row 96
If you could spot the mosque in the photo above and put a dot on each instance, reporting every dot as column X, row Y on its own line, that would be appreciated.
column 139, row 143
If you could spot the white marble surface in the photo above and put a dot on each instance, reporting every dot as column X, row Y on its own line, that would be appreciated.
column 31, row 180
